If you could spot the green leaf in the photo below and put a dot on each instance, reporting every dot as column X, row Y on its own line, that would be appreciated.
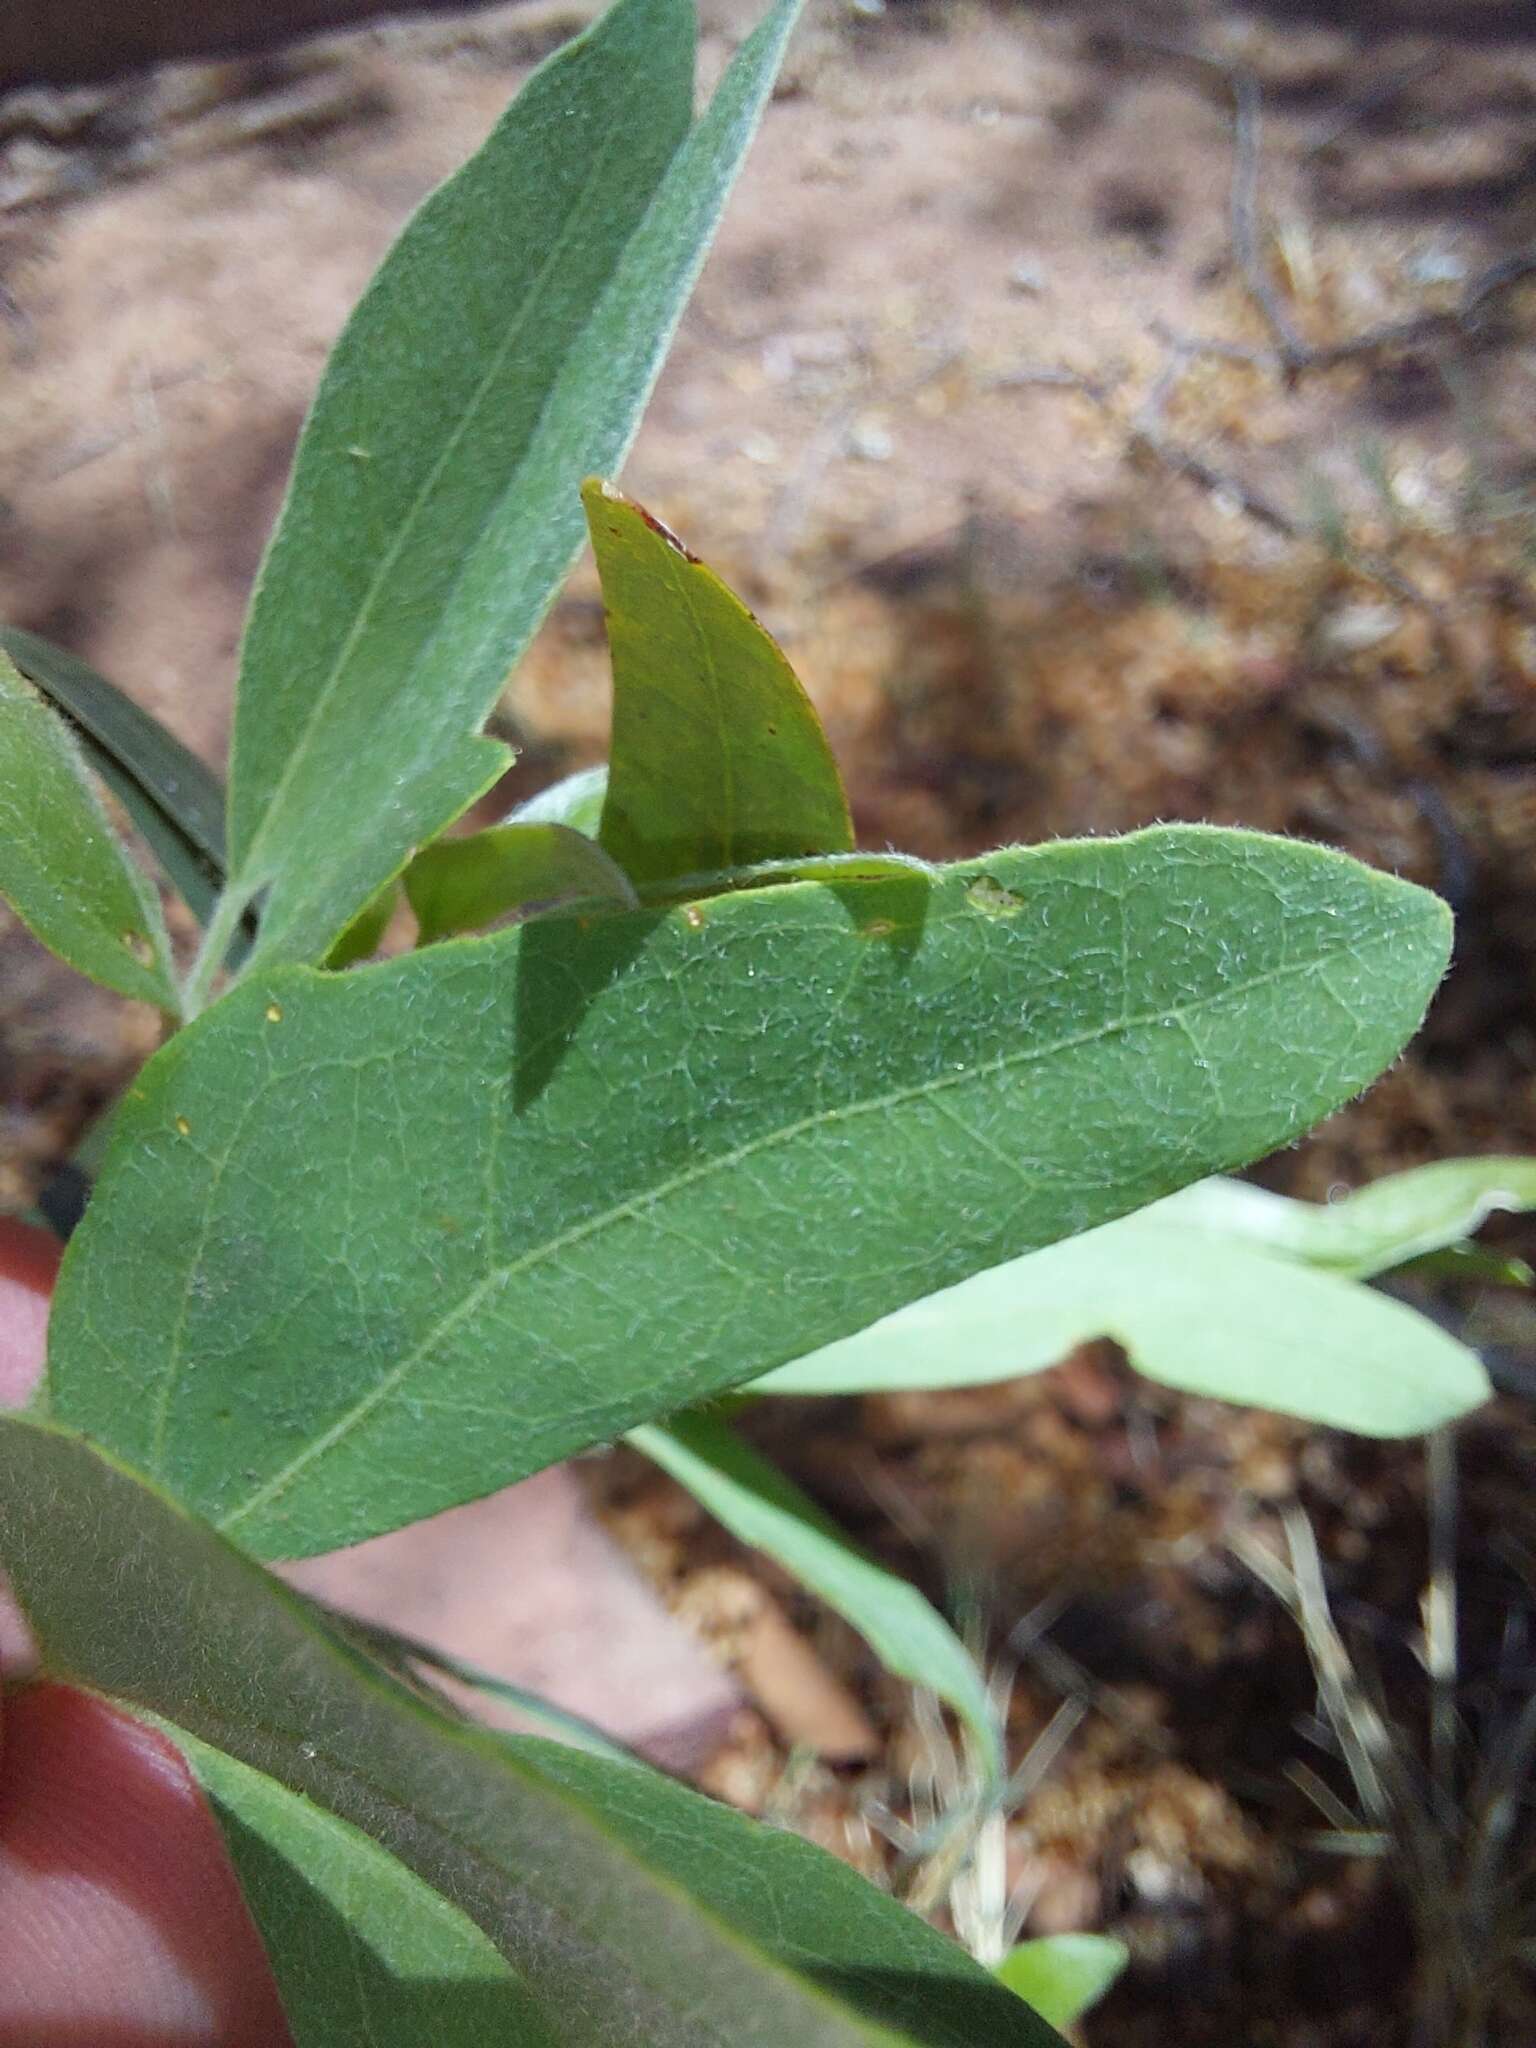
column 173, row 800
column 362, row 1949
column 367, row 1245
column 456, row 885
column 760, row 1505
column 360, row 940
column 834, row 868
column 1463, row 1262
column 1194, row 1310
column 1062, row 1975
column 1395, row 1219
column 505, row 349
column 718, row 758
column 576, row 800
column 419, row 1664
column 62, row 867
column 637, row 1914
column 1204, row 1292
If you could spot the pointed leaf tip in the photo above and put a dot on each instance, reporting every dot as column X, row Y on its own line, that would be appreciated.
column 718, row 759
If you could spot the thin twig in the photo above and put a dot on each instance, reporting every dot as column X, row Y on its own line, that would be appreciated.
column 1289, row 349
column 1378, row 94
column 1461, row 319
column 1247, row 228
column 159, row 490
column 1044, row 1753
column 1044, row 376
column 1299, row 356
column 1220, row 483
column 1147, row 432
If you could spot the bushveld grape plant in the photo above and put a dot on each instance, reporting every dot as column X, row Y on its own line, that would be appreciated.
column 678, row 1093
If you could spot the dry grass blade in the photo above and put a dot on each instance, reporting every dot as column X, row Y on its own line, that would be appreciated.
column 954, row 1845
column 1453, row 1829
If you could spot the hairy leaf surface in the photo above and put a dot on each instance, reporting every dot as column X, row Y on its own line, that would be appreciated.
column 636, row 1913
column 62, row 867
column 372, row 1244
column 361, row 1948
column 433, row 511
column 173, row 799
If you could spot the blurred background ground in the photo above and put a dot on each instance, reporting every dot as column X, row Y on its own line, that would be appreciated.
column 1119, row 414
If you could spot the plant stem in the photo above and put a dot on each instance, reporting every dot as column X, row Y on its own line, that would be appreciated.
column 220, row 932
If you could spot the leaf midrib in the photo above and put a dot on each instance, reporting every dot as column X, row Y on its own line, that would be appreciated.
column 730, row 824
column 506, row 1874
column 633, row 1207
column 250, row 876
column 729, row 852
column 304, row 1670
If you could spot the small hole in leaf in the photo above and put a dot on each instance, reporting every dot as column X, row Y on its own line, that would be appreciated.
column 992, row 899
column 274, row 1013
column 184, row 1127
column 693, row 917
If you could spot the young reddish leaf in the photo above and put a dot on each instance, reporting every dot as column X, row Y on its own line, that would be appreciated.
column 29, row 1265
